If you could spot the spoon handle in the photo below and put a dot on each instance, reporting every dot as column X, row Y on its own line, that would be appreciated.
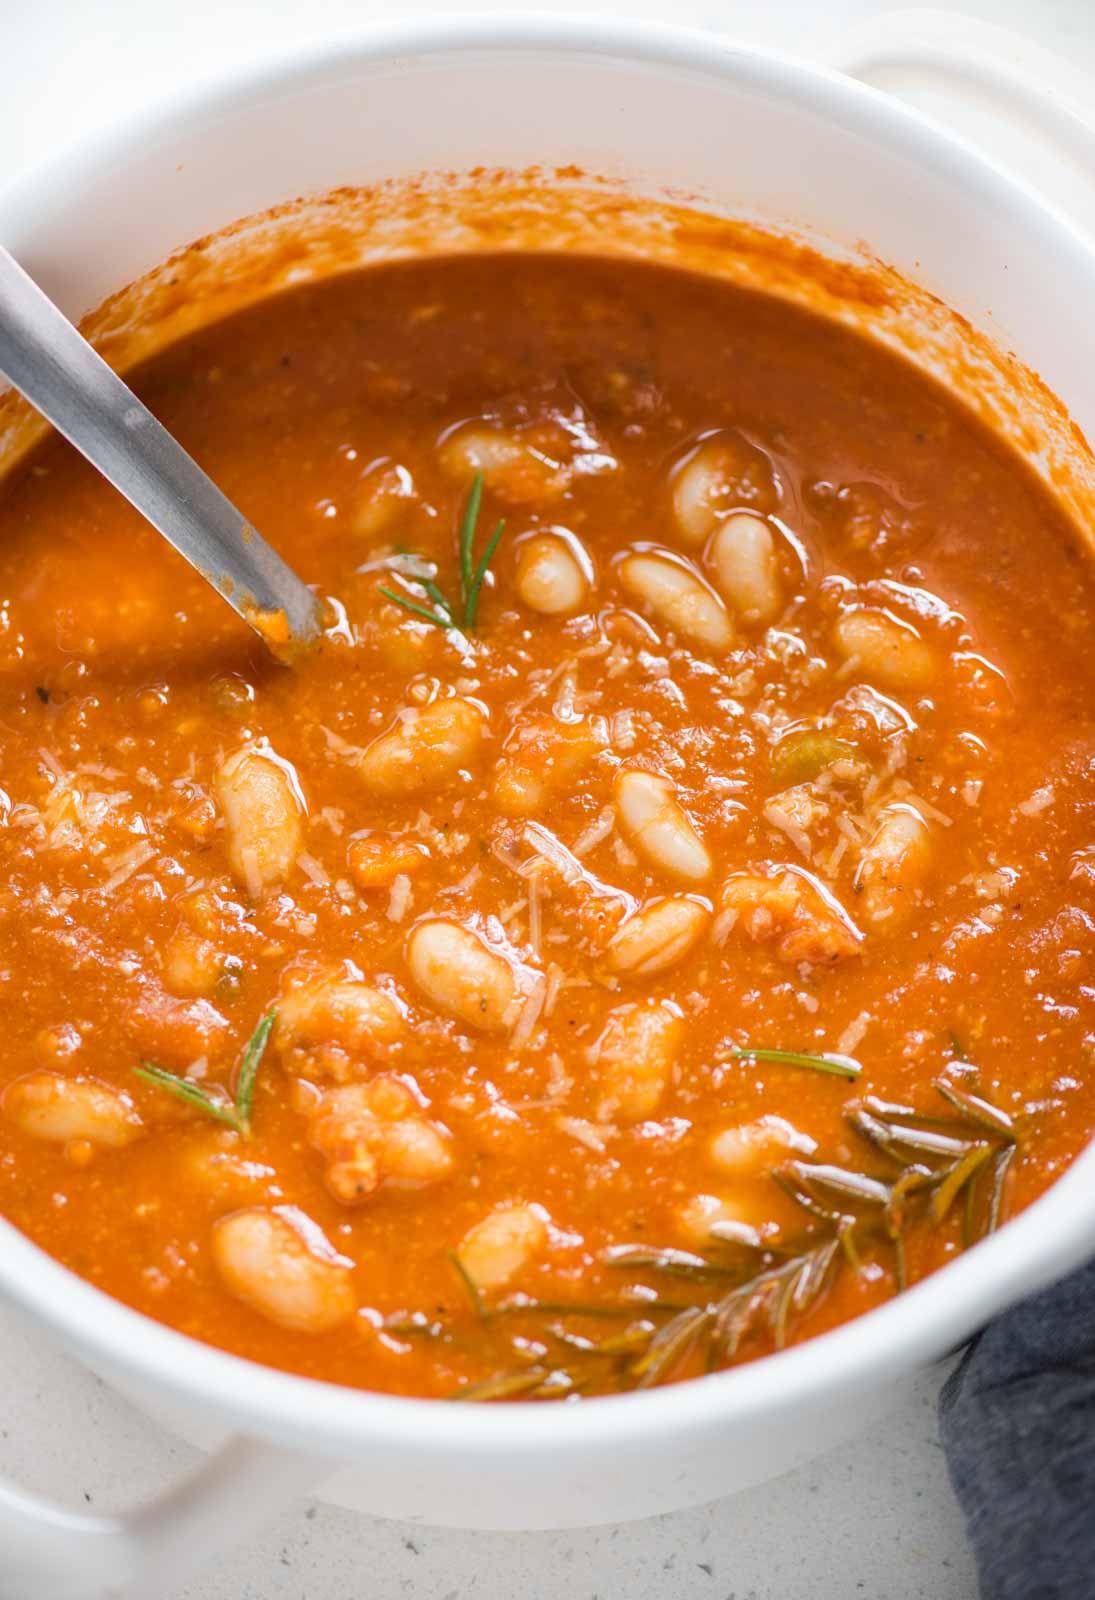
column 47, row 360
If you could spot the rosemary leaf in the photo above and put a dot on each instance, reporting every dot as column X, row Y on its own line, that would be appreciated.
column 250, row 1062
column 419, row 611
column 907, row 1183
column 585, row 1308
column 471, row 1287
column 846, row 1241
column 779, row 1306
column 955, row 1179
column 669, row 1348
column 979, row 1111
column 1000, row 1169
column 901, row 1271
column 467, row 535
column 838, row 1066
column 873, row 1129
column 438, row 598
column 797, row 1191
column 415, row 1322
column 192, row 1093
column 851, row 1185
column 732, row 1317
column 926, row 1141
column 505, row 1386
column 815, row 1271
column 634, row 1338
column 471, row 604
column 677, row 1263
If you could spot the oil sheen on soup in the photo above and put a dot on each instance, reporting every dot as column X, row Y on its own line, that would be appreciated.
column 653, row 927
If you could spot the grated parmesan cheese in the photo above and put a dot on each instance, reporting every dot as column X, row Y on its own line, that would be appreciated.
column 313, row 870
column 853, row 1033
column 126, row 864
column 1038, row 802
column 596, row 832
column 400, row 898
column 584, row 1132
column 535, row 925
column 530, row 1014
column 252, row 877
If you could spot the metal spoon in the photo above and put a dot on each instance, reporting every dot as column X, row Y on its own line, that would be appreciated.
column 47, row 360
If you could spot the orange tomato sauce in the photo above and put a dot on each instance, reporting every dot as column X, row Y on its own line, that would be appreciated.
column 773, row 731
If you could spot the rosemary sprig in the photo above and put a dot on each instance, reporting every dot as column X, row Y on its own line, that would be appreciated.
column 937, row 1162
column 838, row 1066
column 472, row 573
column 234, row 1113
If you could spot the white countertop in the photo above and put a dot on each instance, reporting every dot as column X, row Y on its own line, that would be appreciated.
column 874, row 1518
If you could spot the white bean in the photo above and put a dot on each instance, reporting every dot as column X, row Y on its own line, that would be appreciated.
column 802, row 923
column 383, row 493
column 425, row 749
column 47, row 1105
column 884, row 650
column 722, row 473
column 280, row 1264
column 374, row 1134
column 263, row 810
column 336, row 1028
column 461, row 975
column 657, row 937
column 751, row 1148
column 192, row 966
column 708, row 1216
column 496, row 1249
column 635, row 1057
column 542, row 759
column 747, row 568
column 550, row 577
column 677, row 596
column 656, row 822
column 509, row 466
column 894, row 864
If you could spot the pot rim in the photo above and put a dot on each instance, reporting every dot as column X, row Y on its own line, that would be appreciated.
column 1046, row 1239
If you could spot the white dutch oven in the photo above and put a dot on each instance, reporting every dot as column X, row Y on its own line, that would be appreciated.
column 744, row 134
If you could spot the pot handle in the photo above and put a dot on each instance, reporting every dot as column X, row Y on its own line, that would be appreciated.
column 1024, row 106
column 48, row 1552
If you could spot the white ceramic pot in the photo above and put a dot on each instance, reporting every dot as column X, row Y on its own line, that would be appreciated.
column 743, row 134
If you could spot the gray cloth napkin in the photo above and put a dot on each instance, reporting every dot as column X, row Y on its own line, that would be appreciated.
column 1018, row 1425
